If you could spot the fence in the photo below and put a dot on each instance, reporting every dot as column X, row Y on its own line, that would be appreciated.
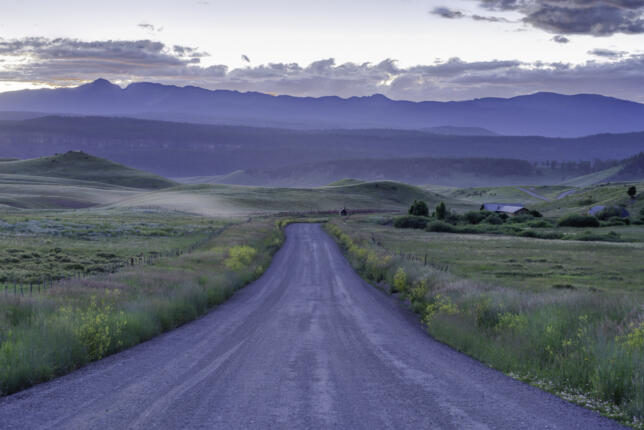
column 423, row 258
column 21, row 288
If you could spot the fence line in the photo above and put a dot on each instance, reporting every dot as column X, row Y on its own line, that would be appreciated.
column 22, row 288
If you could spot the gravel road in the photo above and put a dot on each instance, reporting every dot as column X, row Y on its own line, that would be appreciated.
column 309, row 345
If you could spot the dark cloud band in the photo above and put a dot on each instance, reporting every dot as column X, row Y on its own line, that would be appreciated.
column 593, row 17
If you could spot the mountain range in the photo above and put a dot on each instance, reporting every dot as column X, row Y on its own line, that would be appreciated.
column 540, row 114
column 181, row 149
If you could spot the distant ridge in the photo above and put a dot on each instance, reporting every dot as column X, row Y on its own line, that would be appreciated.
column 460, row 131
column 175, row 149
column 81, row 166
column 544, row 114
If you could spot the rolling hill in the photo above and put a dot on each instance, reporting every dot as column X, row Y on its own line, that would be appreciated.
column 235, row 200
column 545, row 114
column 84, row 167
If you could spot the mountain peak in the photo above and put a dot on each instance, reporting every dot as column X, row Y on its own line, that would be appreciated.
column 101, row 83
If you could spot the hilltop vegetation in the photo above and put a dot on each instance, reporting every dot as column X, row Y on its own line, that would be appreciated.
column 85, row 167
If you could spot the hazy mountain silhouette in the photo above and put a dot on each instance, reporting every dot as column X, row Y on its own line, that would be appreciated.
column 545, row 114
column 180, row 149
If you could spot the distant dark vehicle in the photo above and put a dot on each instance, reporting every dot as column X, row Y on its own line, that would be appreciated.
column 344, row 212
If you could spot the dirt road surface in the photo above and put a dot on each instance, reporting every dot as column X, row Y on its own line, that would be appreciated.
column 309, row 345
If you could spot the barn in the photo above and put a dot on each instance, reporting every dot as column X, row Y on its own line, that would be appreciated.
column 505, row 208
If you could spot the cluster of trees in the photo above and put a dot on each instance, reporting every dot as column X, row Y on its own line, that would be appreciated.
column 419, row 217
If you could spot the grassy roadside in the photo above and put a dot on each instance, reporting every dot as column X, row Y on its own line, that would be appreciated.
column 55, row 332
column 584, row 344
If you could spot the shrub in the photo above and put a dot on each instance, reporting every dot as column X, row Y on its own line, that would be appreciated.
column 535, row 213
column 610, row 212
column 475, row 217
column 494, row 219
column 631, row 191
column 453, row 218
column 576, row 220
column 441, row 211
column 419, row 208
column 540, row 224
column 411, row 221
column 440, row 227
column 239, row 257
column 400, row 280
column 520, row 219
column 616, row 221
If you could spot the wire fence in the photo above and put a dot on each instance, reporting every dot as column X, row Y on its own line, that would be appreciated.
column 21, row 288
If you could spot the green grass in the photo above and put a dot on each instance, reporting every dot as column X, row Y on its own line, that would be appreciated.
column 584, row 199
column 593, row 178
column 235, row 200
column 59, row 330
column 507, row 194
column 37, row 246
column 81, row 166
column 563, row 315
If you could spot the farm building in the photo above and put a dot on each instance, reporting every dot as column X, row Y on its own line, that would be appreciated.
column 595, row 210
column 505, row 208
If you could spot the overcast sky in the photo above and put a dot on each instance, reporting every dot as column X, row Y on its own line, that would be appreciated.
column 405, row 49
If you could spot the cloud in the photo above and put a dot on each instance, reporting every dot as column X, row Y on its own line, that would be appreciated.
column 448, row 13
column 607, row 53
column 445, row 12
column 150, row 27
column 67, row 62
column 560, row 39
column 59, row 60
column 592, row 17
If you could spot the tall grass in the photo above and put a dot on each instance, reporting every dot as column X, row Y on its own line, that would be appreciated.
column 569, row 341
column 53, row 333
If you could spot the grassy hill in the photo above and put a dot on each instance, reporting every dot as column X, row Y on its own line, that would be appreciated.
column 232, row 200
column 602, row 194
column 84, row 167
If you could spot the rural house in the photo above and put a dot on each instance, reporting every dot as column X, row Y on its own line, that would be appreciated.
column 505, row 208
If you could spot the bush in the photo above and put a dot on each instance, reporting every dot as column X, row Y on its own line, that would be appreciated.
column 520, row 219
column 494, row 219
column 576, row 220
column 419, row 208
column 610, row 212
column 475, row 217
column 440, row 227
column 540, row 224
column 536, row 213
column 453, row 218
column 616, row 221
column 441, row 211
column 541, row 235
column 411, row 221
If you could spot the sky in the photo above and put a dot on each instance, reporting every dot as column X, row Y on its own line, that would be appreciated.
column 404, row 49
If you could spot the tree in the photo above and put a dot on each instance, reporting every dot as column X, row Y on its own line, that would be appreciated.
column 441, row 211
column 419, row 208
column 632, row 191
